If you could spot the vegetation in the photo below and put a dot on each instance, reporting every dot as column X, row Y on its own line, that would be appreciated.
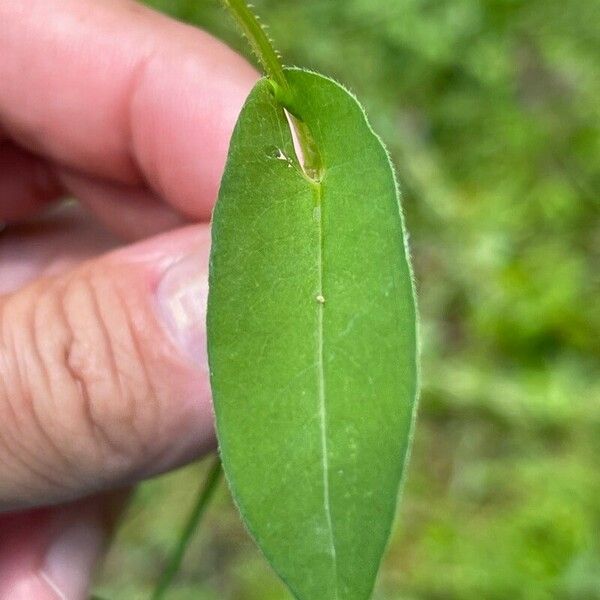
column 490, row 109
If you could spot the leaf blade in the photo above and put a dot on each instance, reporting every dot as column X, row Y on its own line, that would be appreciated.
column 329, row 362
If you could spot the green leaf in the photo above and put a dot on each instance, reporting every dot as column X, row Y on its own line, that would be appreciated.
column 311, row 338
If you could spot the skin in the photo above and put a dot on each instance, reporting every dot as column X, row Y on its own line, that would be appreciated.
column 130, row 113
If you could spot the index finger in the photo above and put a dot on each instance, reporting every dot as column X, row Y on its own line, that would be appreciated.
column 119, row 92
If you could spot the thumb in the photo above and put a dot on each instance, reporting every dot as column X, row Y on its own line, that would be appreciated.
column 103, row 377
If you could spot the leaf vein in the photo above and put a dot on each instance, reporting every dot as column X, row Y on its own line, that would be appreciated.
column 320, row 364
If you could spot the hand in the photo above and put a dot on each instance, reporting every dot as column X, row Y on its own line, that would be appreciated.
column 103, row 376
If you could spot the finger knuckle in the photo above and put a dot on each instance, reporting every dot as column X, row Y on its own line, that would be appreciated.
column 79, row 404
column 104, row 370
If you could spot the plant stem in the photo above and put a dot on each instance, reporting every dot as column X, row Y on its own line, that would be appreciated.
column 258, row 39
column 262, row 46
column 190, row 527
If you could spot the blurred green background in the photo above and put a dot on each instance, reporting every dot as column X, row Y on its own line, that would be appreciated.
column 491, row 111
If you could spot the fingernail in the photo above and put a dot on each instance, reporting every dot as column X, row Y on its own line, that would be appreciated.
column 181, row 295
column 70, row 560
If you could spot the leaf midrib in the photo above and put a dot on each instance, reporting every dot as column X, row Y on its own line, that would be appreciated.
column 320, row 364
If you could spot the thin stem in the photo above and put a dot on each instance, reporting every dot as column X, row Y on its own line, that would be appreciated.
column 258, row 39
column 190, row 527
column 269, row 58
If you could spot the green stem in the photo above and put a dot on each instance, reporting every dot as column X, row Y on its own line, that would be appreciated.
column 190, row 527
column 258, row 39
column 269, row 58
